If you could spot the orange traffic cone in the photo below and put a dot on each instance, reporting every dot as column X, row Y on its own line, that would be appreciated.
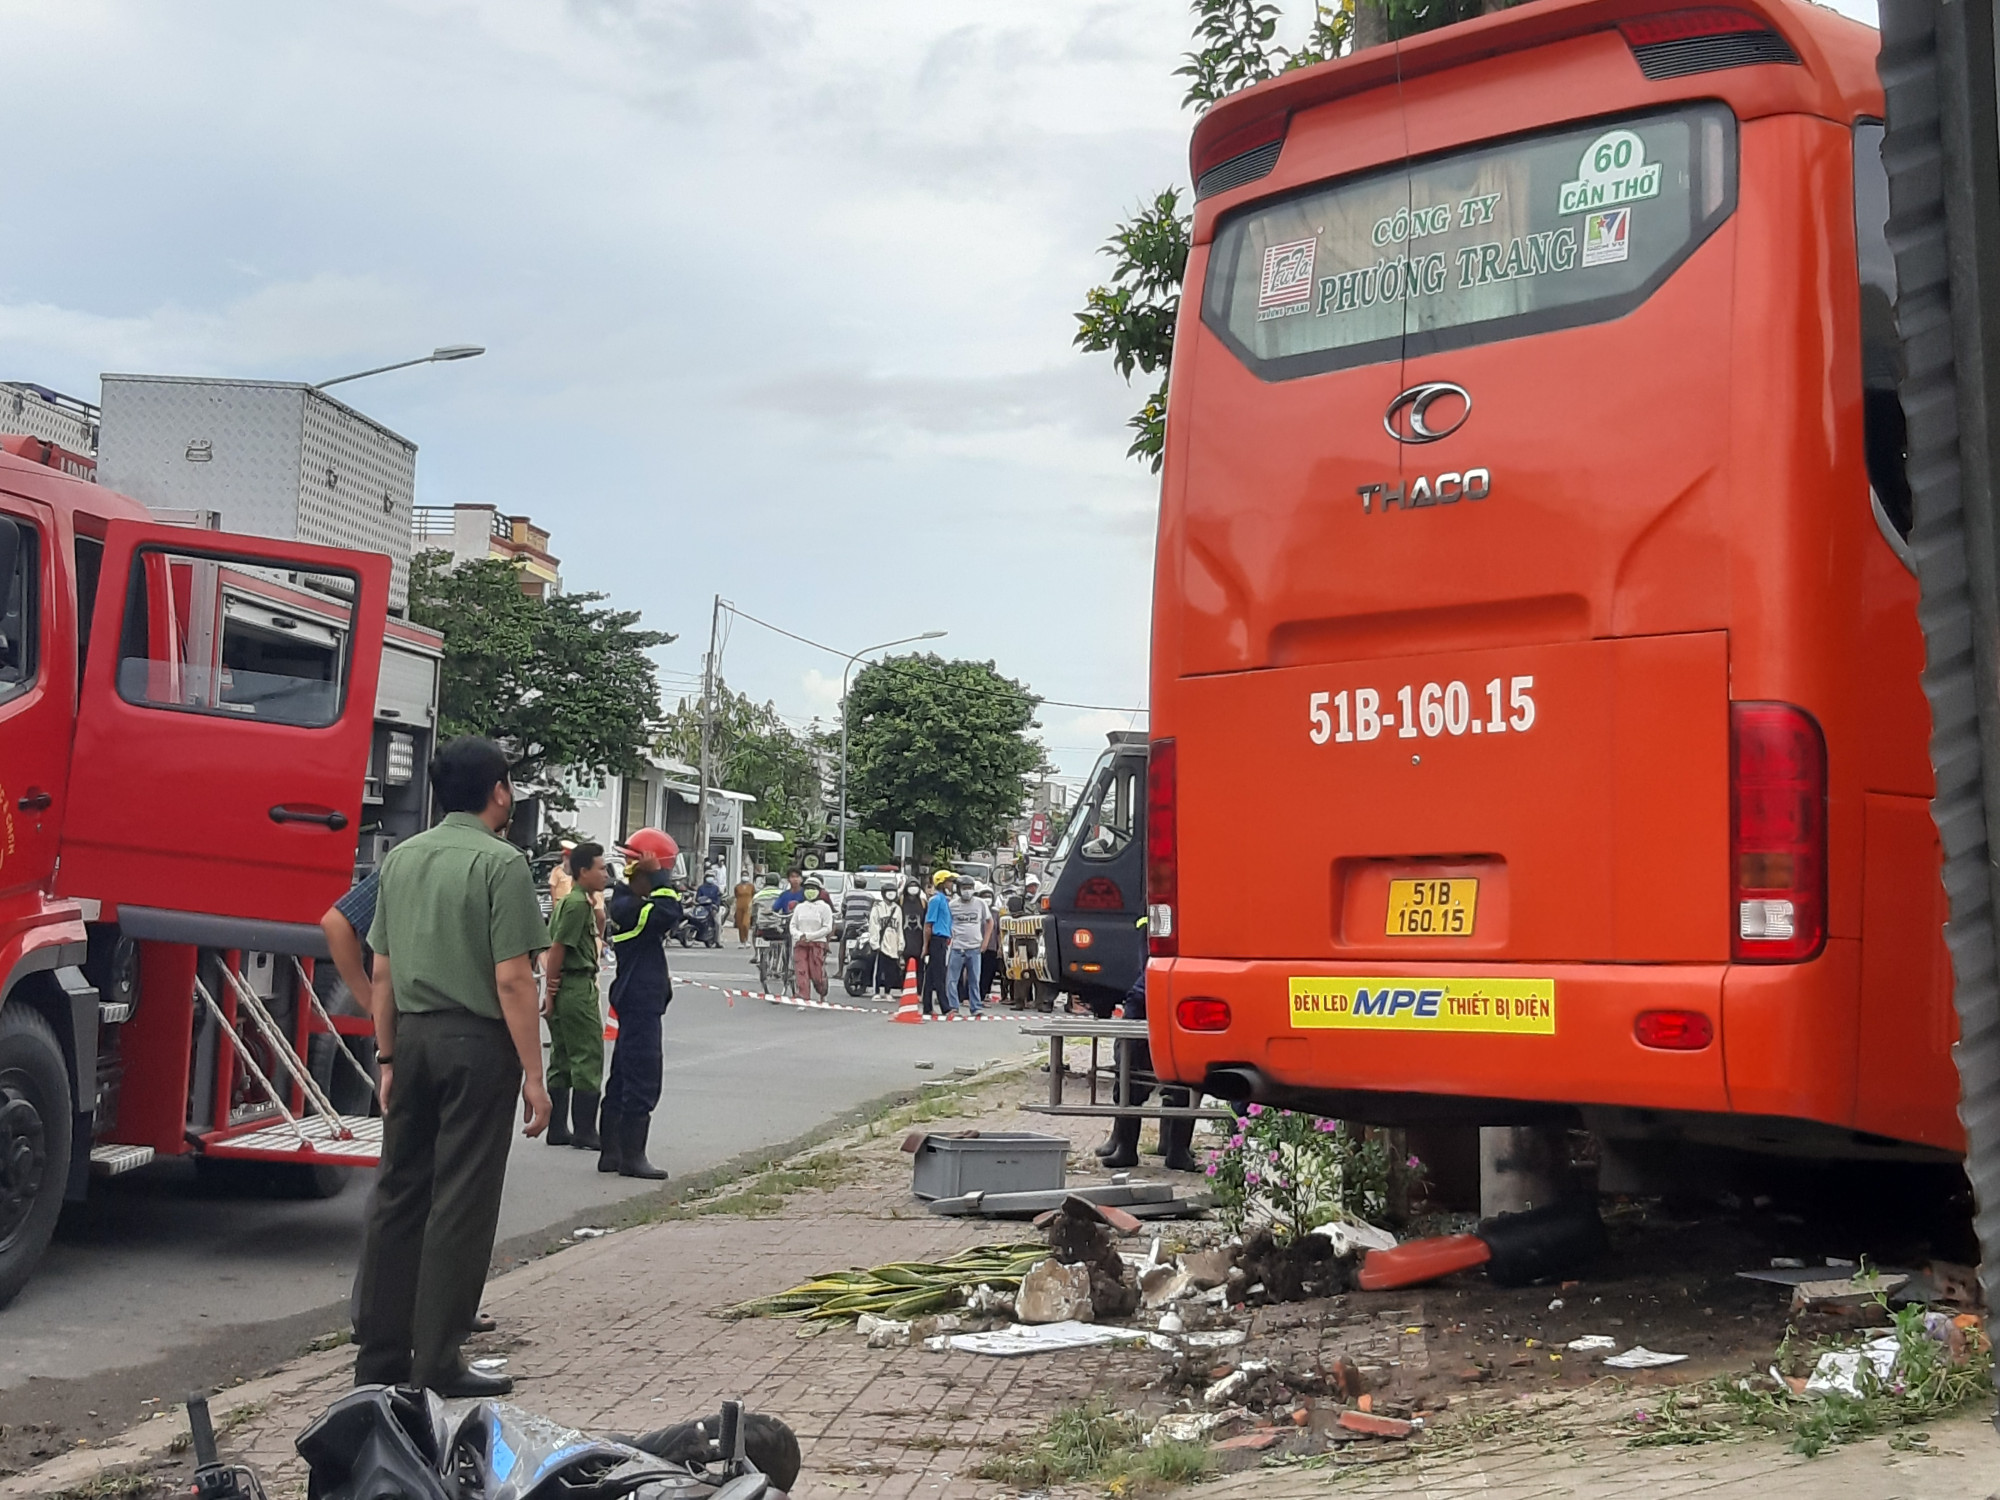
column 909, row 1009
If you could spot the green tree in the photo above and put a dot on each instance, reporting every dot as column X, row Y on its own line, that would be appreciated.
column 753, row 750
column 561, row 684
column 940, row 748
column 1132, row 317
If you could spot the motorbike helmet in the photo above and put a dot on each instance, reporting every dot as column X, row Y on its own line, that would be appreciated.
column 941, row 877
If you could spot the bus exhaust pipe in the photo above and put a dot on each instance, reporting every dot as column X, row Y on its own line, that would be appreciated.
column 1237, row 1085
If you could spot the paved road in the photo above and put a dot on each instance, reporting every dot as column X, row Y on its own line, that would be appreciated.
column 158, row 1265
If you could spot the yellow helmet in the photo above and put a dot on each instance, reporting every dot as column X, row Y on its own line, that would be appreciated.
column 941, row 877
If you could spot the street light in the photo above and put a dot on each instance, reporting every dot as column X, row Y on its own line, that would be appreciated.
column 840, row 856
column 436, row 356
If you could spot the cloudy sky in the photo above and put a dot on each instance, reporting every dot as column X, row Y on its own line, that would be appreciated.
column 777, row 295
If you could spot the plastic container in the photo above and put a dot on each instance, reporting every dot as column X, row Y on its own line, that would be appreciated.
column 1001, row 1161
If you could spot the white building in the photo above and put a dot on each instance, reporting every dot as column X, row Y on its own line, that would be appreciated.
column 667, row 795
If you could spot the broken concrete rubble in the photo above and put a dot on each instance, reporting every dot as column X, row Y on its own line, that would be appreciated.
column 1209, row 1268
column 1054, row 1293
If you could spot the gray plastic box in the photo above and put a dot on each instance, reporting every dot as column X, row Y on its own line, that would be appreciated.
column 1001, row 1161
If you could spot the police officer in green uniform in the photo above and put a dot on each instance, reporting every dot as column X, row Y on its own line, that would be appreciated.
column 458, row 1038
column 576, row 1025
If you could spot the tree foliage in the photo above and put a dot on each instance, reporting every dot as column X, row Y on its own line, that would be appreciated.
column 561, row 683
column 1132, row 317
column 753, row 750
column 940, row 748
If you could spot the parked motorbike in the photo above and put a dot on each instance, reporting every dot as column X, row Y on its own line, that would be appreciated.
column 701, row 922
column 394, row 1440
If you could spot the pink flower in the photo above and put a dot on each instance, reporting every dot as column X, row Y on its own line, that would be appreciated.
column 1252, row 1178
column 1211, row 1169
column 1254, row 1110
column 1236, row 1140
column 1413, row 1164
column 1327, row 1127
column 1274, row 1156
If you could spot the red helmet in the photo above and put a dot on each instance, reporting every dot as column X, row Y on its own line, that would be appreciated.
column 652, row 841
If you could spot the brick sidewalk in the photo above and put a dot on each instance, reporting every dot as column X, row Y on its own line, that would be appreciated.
column 622, row 1333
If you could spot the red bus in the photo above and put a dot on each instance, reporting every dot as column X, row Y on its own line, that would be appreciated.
column 1535, row 544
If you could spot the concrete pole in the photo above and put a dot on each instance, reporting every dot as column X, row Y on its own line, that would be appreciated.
column 1520, row 1167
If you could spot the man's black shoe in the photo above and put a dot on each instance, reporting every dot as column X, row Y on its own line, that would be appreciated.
column 472, row 1384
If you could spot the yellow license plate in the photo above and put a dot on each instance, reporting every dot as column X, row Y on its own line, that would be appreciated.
column 1432, row 908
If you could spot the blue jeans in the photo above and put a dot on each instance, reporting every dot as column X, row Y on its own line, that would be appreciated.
column 962, row 968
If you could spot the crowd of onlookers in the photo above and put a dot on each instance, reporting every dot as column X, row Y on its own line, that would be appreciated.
column 950, row 932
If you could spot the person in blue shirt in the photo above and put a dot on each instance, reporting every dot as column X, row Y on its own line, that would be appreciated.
column 937, row 944
column 793, row 893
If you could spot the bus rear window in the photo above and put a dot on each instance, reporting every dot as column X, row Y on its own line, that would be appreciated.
column 1546, row 231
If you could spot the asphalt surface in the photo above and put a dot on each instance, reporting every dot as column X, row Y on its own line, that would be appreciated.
column 161, row 1271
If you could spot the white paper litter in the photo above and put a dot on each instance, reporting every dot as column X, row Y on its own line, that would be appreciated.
column 1841, row 1370
column 1352, row 1234
column 1591, row 1342
column 1639, row 1357
column 488, row 1366
column 1191, row 1426
column 588, row 1234
column 1043, row 1338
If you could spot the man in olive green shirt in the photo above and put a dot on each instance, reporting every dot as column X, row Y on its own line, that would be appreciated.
column 458, row 1038
column 569, row 989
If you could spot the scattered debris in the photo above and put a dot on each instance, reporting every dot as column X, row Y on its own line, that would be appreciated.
column 989, row 1301
column 1052, row 1292
column 1235, row 1384
column 1193, row 1426
column 1162, row 1285
column 1078, row 1236
column 1253, row 1442
column 588, row 1234
column 1347, row 1235
column 1212, row 1338
column 1639, row 1357
column 883, row 1333
column 488, row 1366
column 1370, row 1425
column 1590, row 1343
column 1309, row 1266
column 1143, row 1200
column 925, row 1065
column 1847, row 1291
column 1209, row 1268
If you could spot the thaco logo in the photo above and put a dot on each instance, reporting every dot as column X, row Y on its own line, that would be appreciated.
column 1424, row 413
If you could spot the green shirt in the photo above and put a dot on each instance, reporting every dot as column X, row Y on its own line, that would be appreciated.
column 456, row 900
column 574, row 925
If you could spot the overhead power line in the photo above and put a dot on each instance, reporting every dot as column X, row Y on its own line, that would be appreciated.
column 963, row 687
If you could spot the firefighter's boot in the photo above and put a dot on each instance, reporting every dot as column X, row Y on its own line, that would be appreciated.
column 584, row 1112
column 558, row 1131
column 611, row 1150
column 1124, row 1143
column 634, row 1163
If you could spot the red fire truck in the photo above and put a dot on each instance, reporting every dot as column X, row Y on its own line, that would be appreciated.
column 185, row 725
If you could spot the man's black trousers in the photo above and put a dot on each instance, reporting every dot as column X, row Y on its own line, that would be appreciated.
column 437, row 1197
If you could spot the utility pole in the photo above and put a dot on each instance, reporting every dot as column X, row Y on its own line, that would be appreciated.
column 707, row 723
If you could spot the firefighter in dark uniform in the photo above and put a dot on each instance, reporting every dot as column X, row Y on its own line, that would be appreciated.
column 642, row 910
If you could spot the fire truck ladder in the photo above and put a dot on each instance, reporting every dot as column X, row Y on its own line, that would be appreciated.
column 327, row 1137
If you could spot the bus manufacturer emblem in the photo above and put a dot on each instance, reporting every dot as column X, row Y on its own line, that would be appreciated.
column 1409, row 419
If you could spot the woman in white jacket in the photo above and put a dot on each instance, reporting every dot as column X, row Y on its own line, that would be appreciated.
column 812, row 925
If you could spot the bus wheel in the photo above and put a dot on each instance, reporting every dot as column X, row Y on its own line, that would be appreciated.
column 35, row 1121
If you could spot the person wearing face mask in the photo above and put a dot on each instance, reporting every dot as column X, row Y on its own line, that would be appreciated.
column 885, row 933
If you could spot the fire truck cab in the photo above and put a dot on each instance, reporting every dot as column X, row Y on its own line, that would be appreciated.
column 186, row 720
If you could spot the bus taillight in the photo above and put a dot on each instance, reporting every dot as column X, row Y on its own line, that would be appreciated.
column 1162, row 851
column 1777, row 759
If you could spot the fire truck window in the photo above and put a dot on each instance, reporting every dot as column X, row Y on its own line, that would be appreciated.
column 1885, row 434
column 89, row 562
column 235, row 638
column 1112, row 817
column 1497, row 241
column 20, row 606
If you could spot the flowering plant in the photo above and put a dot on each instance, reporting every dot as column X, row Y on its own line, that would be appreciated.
column 1297, row 1171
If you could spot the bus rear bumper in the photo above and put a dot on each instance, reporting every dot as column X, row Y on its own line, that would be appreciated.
column 1395, row 1074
